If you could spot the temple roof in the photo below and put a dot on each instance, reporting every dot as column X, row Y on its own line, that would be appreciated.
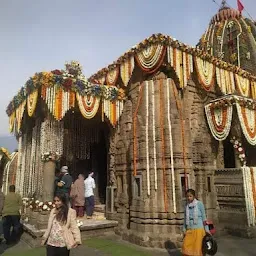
column 225, row 13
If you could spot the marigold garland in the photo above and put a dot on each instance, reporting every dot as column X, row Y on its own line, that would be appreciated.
column 112, row 76
column 151, row 58
column 242, row 85
column 126, row 69
column 168, row 85
column 245, row 116
column 154, row 131
column 180, row 112
column 162, row 112
column 253, row 180
column 206, row 72
column 182, row 62
column 253, row 89
column 147, row 136
column 31, row 102
column 219, row 120
column 19, row 115
column 88, row 105
column 225, row 81
column 135, row 156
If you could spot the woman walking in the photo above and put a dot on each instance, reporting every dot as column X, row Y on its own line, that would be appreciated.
column 77, row 195
column 62, row 233
column 194, row 229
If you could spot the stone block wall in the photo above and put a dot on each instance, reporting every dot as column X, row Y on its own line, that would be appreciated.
column 145, row 211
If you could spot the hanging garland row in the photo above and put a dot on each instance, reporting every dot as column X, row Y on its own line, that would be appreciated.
column 205, row 72
column 225, row 81
column 70, row 79
column 247, row 118
column 219, row 117
column 182, row 62
column 243, row 85
column 219, row 120
column 150, row 55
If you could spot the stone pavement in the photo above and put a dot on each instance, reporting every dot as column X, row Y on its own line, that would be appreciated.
column 228, row 246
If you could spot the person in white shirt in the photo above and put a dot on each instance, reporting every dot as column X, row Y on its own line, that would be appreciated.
column 89, row 195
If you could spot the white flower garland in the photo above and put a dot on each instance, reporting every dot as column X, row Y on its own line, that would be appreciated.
column 218, row 132
column 184, row 64
column 154, row 130
column 250, row 209
column 112, row 76
column 225, row 81
column 88, row 105
column 168, row 84
column 147, row 137
column 205, row 71
column 243, row 85
column 253, row 88
column 126, row 69
column 150, row 56
column 250, row 119
column 18, row 171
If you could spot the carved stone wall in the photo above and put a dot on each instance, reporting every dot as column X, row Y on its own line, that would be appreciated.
column 232, row 214
column 146, row 219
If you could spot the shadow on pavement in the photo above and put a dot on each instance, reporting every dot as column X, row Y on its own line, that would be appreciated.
column 172, row 249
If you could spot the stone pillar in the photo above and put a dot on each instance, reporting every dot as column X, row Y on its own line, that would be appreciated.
column 48, row 180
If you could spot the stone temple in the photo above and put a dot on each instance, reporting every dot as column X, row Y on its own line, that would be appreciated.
column 162, row 118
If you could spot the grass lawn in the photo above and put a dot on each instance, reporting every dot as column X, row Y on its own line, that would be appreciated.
column 27, row 252
column 113, row 248
column 106, row 246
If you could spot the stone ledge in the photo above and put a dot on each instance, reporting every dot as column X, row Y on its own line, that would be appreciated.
column 98, row 224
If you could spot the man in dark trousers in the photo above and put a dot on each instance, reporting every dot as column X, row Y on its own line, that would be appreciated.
column 64, row 185
column 11, row 216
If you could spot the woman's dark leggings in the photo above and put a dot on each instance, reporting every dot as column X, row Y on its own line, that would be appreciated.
column 56, row 251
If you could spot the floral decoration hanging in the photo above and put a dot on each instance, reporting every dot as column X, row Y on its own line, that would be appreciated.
column 242, row 85
column 253, row 89
column 239, row 150
column 219, row 120
column 206, row 72
column 112, row 76
column 225, row 81
column 126, row 69
column 19, row 115
column 70, row 79
column 151, row 57
column 247, row 118
column 31, row 102
column 88, row 105
column 182, row 62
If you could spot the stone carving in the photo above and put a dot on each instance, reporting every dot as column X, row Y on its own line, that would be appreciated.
column 112, row 179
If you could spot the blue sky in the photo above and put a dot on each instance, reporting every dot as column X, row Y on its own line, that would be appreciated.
column 41, row 35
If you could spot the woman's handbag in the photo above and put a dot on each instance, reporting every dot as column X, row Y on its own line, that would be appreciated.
column 209, row 245
column 68, row 237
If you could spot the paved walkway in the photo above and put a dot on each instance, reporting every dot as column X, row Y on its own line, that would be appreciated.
column 228, row 246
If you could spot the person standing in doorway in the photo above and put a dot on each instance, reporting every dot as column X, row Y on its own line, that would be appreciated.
column 65, row 183
column 77, row 195
column 11, row 216
column 89, row 195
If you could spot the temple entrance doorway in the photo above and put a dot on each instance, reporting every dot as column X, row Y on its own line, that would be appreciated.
column 229, row 154
column 86, row 144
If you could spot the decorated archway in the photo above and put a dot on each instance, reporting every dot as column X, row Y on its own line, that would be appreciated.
column 60, row 117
